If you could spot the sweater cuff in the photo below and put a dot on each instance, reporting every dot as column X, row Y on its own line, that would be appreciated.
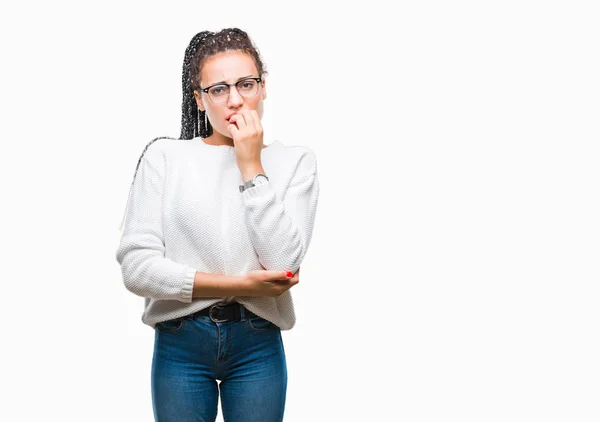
column 258, row 191
column 188, row 286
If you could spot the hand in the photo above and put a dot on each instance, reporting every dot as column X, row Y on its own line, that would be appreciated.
column 247, row 137
column 269, row 283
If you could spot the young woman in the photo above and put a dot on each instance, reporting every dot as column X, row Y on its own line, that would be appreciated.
column 215, row 229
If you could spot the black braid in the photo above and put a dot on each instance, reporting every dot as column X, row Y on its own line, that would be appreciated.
column 192, row 120
column 144, row 151
column 203, row 45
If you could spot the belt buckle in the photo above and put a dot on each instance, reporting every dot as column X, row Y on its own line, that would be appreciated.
column 210, row 314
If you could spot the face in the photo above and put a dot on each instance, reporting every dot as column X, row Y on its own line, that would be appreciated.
column 230, row 67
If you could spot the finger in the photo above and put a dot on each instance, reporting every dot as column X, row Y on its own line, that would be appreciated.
column 283, row 276
column 239, row 120
column 256, row 121
column 233, row 130
column 247, row 118
column 280, row 282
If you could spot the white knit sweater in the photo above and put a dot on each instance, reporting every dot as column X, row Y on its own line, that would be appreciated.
column 185, row 213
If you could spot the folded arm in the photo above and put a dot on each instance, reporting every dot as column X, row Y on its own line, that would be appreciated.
column 141, row 252
column 280, row 229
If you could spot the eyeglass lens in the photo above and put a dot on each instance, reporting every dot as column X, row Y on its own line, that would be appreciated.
column 246, row 88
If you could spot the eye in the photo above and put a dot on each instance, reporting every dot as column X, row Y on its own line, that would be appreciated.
column 247, row 85
column 216, row 90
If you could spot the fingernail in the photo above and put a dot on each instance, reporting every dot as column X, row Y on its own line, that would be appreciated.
column 289, row 274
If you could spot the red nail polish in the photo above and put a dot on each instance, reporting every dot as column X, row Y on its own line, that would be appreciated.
column 289, row 274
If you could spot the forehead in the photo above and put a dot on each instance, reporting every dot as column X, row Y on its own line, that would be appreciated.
column 227, row 66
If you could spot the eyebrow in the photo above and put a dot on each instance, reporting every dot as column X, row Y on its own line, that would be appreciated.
column 224, row 82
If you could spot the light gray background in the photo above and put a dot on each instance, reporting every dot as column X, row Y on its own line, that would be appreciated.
column 453, row 272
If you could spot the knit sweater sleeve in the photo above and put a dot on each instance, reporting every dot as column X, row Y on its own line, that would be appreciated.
column 280, row 229
column 141, row 252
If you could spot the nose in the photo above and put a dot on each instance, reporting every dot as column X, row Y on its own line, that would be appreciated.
column 235, row 99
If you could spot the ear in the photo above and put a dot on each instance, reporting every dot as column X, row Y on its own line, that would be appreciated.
column 264, row 90
column 198, row 100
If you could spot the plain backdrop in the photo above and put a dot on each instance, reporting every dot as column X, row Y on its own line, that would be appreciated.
column 453, row 270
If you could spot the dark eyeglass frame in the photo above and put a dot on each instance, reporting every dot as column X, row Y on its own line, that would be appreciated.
column 205, row 90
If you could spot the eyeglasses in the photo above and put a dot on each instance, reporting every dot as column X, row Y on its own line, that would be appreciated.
column 220, row 93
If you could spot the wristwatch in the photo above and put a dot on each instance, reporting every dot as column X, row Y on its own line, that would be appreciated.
column 259, row 179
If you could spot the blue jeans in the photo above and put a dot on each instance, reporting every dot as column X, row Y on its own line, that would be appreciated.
column 191, row 353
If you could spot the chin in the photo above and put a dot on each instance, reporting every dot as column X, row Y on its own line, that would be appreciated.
column 224, row 133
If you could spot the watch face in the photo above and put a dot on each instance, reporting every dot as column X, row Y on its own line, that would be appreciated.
column 260, row 179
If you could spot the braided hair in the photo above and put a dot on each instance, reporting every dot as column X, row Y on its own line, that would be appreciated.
column 203, row 45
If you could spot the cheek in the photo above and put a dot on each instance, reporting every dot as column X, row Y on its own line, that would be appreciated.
column 213, row 117
column 259, row 109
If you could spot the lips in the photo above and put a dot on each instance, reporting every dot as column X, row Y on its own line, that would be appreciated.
column 229, row 117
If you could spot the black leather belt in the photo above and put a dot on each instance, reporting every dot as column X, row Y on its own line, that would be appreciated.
column 220, row 312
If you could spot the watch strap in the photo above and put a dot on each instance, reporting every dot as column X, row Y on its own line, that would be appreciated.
column 250, row 183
